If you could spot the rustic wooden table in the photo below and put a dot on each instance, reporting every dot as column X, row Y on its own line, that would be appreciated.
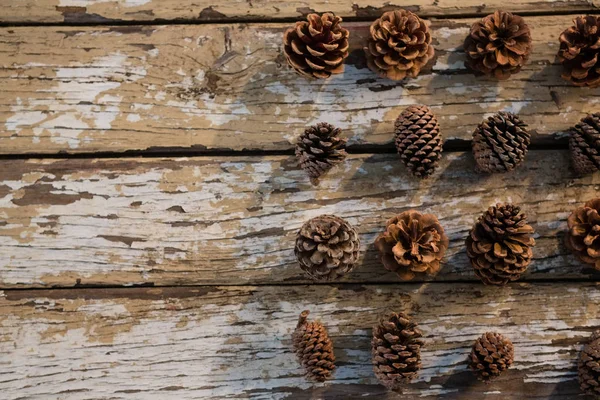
column 149, row 201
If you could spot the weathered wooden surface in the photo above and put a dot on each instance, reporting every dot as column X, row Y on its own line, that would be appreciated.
column 226, row 342
column 227, row 87
column 234, row 220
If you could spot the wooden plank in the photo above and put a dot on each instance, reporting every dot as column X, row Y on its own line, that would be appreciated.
column 234, row 220
column 226, row 342
column 106, row 11
column 227, row 87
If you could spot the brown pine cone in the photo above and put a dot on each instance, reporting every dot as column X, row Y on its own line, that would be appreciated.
column 583, row 237
column 399, row 45
column 412, row 243
column 320, row 148
column 316, row 48
column 327, row 247
column 418, row 140
column 498, row 45
column 314, row 349
column 579, row 48
column 584, row 142
column 499, row 245
column 589, row 366
column 396, row 350
column 500, row 143
column 492, row 354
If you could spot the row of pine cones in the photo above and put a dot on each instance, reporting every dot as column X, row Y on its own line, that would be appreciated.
column 399, row 46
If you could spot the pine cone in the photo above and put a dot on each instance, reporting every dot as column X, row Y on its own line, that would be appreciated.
column 583, row 237
column 499, row 245
column 319, row 148
column 498, row 45
column 316, row 48
column 399, row 45
column 412, row 243
column 500, row 143
column 492, row 354
column 396, row 350
column 327, row 247
column 313, row 348
column 584, row 142
column 418, row 140
column 589, row 366
column 579, row 48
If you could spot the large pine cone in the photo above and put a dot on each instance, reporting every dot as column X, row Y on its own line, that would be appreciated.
column 584, row 142
column 320, row 148
column 412, row 243
column 314, row 349
column 396, row 350
column 327, row 247
column 498, row 45
column 499, row 245
column 317, row 48
column 418, row 140
column 579, row 48
column 589, row 366
column 399, row 45
column 583, row 237
column 492, row 354
column 500, row 143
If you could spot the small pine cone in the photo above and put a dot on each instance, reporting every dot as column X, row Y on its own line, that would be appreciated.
column 396, row 350
column 499, row 245
column 589, row 366
column 412, row 243
column 498, row 45
column 327, row 247
column 399, row 45
column 492, row 354
column 584, row 142
column 579, row 50
column 320, row 148
column 314, row 349
column 418, row 140
column 583, row 237
column 316, row 48
column 500, row 143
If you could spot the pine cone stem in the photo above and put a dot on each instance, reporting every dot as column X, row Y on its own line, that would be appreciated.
column 302, row 318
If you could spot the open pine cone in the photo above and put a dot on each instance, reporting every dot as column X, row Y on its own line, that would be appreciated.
column 412, row 243
column 491, row 355
column 316, row 48
column 399, row 45
column 579, row 48
column 589, row 366
column 396, row 350
column 584, row 142
column 319, row 149
column 314, row 349
column 500, row 143
column 583, row 237
column 418, row 140
column 498, row 45
column 499, row 245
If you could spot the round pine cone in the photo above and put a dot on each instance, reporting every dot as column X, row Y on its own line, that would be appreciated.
column 499, row 245
column 314, row 349
column 589, row 366
column 500, row 143
column 418, row 140
column 396, row 350
column 498, row 45
column 327, row 247
column 399, row 45
column 579, row 48
column 412, row 243
column 492, row 354
column 584, row 142
column 320, row 148
column 316, row 48
column 583, row 237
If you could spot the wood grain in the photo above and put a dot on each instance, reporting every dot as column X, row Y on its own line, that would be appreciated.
column 226, row 342
column 234, row 220
column 227, row 87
